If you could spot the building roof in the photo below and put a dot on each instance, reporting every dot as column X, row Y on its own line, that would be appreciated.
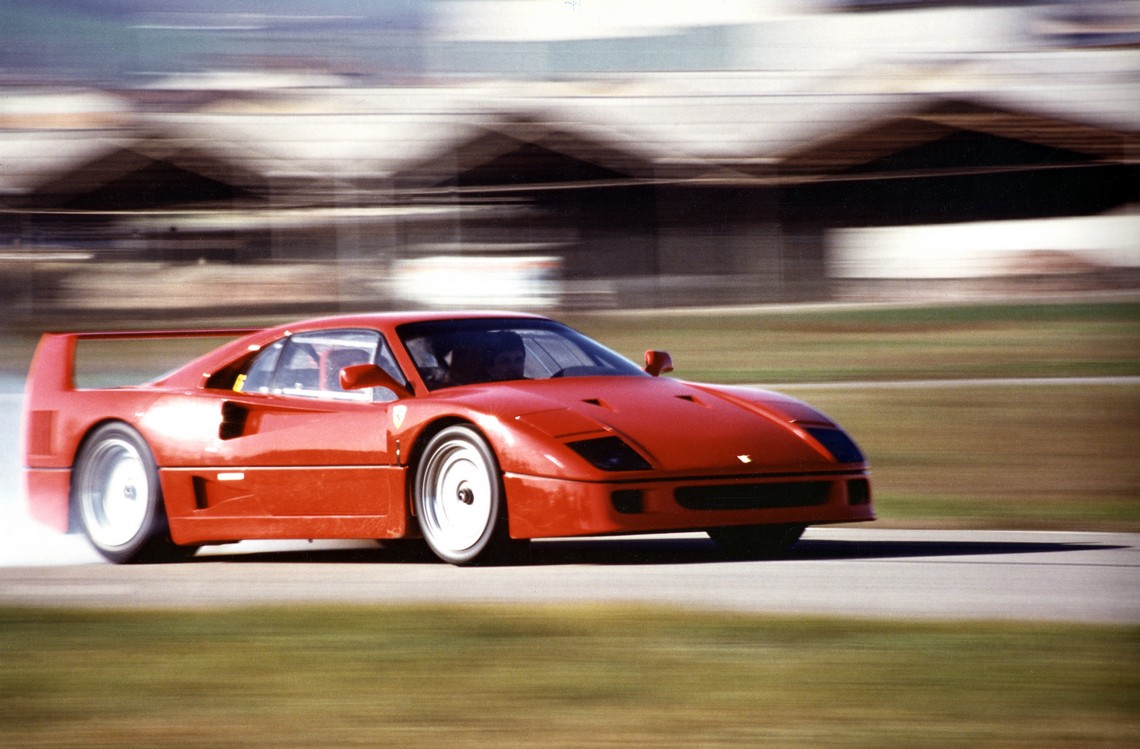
column 640, row 127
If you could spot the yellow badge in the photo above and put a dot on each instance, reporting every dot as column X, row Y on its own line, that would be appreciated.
column 398, row 413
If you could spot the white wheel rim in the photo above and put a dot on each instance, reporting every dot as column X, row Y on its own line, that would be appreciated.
column 457, row 500
column 114, row 493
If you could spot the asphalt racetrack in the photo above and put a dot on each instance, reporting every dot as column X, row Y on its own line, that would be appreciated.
column 860, row 571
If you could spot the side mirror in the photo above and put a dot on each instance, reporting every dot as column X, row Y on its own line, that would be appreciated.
column 658, row 362
column 360, row 376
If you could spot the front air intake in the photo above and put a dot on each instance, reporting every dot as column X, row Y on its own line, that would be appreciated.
column 754, row 496
column 628, row 501
column 858, row 492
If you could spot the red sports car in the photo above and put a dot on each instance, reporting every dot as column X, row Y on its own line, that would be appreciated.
column 475, row 432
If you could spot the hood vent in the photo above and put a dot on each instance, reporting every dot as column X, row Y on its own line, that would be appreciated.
column 692, row 399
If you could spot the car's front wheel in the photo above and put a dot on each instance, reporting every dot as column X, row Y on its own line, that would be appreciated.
column 458, row 498
column 118, row 498
column 756, row 541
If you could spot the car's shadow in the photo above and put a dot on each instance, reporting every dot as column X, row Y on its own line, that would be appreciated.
column 700, row 551
column 657, row 551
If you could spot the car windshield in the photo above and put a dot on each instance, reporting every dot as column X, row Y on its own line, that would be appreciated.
column 463, row 352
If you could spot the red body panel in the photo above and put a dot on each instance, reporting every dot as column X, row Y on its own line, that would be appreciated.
column 236, row 465
column 48, row 491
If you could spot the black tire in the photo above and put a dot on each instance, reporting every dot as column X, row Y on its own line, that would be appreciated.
column 118, row 500
column 756, row 541
column 459, row 499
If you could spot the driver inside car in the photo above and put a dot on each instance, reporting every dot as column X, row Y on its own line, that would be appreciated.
column 506, row 358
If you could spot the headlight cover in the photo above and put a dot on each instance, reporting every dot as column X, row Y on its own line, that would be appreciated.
column 838, row 443
column 610, row 454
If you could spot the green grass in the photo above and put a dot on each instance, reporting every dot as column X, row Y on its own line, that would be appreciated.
column 556, row 677
column 822, row 345
column 1046, row 456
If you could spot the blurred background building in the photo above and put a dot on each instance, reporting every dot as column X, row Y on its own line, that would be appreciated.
column 161, row 159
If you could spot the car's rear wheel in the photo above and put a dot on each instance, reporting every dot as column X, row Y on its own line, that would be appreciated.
column 458, row 498
column 756, row 541
column 118, row 498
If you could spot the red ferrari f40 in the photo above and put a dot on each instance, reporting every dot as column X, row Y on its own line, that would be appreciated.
column 474, row 432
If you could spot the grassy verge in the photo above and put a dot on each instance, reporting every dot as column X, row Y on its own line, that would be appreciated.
column 560, row 677
column 1046, row 456
column 826, row 345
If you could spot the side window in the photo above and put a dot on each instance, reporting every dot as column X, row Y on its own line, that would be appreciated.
column 309, row 364
column 258, row 376
column 298, row 369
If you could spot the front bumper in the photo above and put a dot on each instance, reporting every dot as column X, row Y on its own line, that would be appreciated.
column 542, row 507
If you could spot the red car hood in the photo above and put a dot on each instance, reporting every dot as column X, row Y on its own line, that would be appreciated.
column 677, row 426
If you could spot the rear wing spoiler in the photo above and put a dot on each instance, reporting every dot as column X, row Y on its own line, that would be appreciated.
column 53, row 364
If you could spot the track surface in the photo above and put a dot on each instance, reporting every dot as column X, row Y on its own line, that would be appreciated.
column 843, row 571
column 851, row 571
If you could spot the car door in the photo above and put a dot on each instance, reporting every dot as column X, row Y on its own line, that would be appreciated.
column 294, row 443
